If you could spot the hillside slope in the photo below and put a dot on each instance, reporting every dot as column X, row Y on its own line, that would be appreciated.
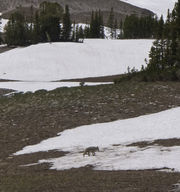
column 80, row 9
column 57, row 61
column 159, row 7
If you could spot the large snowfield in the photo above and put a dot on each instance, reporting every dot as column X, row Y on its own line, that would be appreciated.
column 113, row 139
column 159, row 7
column 56, row 61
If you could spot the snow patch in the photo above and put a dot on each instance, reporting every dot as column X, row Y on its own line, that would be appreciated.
column 3, row 24
column 34, row 86
column 112, row 139
column 122, row 158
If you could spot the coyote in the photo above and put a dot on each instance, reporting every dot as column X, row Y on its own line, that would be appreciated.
column 90, row 150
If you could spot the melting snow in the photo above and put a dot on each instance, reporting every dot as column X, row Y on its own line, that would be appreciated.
column 34, row 86
column 112, row 139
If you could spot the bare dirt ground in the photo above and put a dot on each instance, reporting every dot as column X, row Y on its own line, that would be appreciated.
column 94, row 79
column 5, row 48
column 29, row 118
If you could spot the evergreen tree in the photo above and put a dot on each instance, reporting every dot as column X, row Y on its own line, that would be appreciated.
column 42, row 26
column 101, row 24
column 167, row 27
column 50, row 15
column 164, row 56
column 115, row 29
column 81, row 32
column 131, row 27
column 73, row 32
column 77, row 34
column 66, row 30
column 96, row 25
column 93, row 25
column 177, row 21
column 121, row 25
column 120, row 36
column 160, row 28
column 16, row 30
column 110, row 23
column 30, row 34
column 141, row 27
column 36, row 34
column 87, row 31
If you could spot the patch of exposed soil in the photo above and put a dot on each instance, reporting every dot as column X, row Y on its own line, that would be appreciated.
column 5, row 91
column 110, row 78
column 160, row 142
column 5, row 48
column 87, row 180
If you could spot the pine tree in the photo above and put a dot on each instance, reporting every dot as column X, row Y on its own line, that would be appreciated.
column 36, row 34
column 164, row 56
column 115, row 29
column 66, row 30
column 94, row 28
column 140, row 27
column 87, row 31
column 16, row 31
column 49, row 17
column 77, row 34
column 167, row 26
column 81, row 32
column 177, row 10
column 30, row 34
column 96, row 25
column 160, row 28
column 110, row 23
column 101, row 25
column 73, row 31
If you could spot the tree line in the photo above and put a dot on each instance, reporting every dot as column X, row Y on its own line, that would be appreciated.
column 52, row 23
column 135, row 27
column 164, row 56
column 49, row 24
column 93, row 30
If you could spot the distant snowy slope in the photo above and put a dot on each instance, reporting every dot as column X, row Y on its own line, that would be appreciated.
column 56, row 61
column 157, row 6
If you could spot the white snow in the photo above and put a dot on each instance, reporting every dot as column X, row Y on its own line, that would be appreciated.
column 3, row 24
column 57, row 61
column 34, row 86
column 159, row 7
column 112, row 139
column 122, row 158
